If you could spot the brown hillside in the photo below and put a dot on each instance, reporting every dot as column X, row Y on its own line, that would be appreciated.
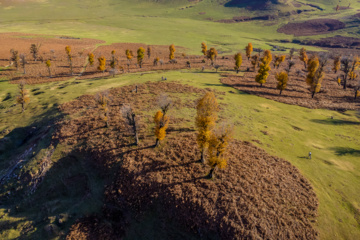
column 256, row 196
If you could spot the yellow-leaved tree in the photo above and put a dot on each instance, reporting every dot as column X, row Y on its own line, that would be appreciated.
column 238, row 62
column 161, row 124
column 23, row 96
column 263, row 72
column 249, row 50
column 102, row 64
column 212, row 55
column 48, row 65
column 206, row 115
column 91, row 57
column 218, row 146
column 70, row 58
column 354, row 67
column 316, row 73
column 129, row 56
column 337, row 64
column 303, row 56
column 278, row 60
column 172, row 51
column 140, row 56
column 282, row 79
column 102, row 99
column 203, row 48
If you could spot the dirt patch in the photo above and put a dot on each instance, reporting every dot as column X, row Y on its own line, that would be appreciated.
column 312, row 27
column 256, row 196
column 51, row 48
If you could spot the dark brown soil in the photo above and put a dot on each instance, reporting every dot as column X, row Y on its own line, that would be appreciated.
column 312, row 27
column 334, row 42
column 257, row 196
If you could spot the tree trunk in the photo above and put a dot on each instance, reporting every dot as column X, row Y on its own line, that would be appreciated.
column 49, row 72
column 313, row 94
column 211, row 173
column 260, row 84
column 305, row 64
column 345, row 80
column 356, row 94
column 24, row 70
column 202, row 158
column 281, row 91
column 237, row 70
column 136, row 89
column 157, row 143
column 22, row 107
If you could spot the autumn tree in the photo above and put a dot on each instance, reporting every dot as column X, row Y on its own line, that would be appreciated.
column 156, row 61
column 132, row 121
column 23, row 96
column 337, row 64
column 249, row 50
column 206, row 115
column 278, row 60
column 172, row 51
column 255, row 61
column 203, row 48
column 161, row 124
column 23, row 62
column 91, row 59
column 316, row 73
column 149, row 51
column 15, row 58
column 291, row 53
column 346, row 68
column 102, row 64
column 282, row 79
column 34, row 50
column 354, row 66
column 70, row 58
column 102, row 99
column 263, row 72
column 212, row 55
column 238, row 62
column 218, row 146
column 48, row 65
column 140, row 56
column 129, row 56
column 303, row 56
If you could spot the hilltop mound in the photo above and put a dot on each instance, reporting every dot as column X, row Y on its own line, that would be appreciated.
column 256, row 196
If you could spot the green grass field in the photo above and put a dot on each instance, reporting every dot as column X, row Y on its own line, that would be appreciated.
column 292, row 131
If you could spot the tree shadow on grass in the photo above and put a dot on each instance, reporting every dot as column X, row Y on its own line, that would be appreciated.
column 341, row 151
column 335, row 122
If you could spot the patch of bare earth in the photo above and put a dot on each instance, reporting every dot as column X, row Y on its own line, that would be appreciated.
column 257, row 196
column 312, row 27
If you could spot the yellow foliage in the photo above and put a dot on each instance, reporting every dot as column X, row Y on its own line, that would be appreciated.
column 172, row 51
column 48, row 63
column 282, row 79
column 161, row 124
column 218, row 143
column 254, row 61
column 129, row 54
column 352, row 75
column 212, row 54
column 91, row 57
column 238, row 61
column 337, row 64
column 313, row 66
column 113, row 52
column 204, row 48
column 68, row 50
column 140, row 55
column 263, row 72
column 303, row 56
column 339, row 81
column 102, row 63
column 249, row 49
column 357, row 93
column 207, row 109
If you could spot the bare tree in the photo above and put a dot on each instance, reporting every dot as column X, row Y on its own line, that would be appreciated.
column 23, row 61
column 346, row 66
column 131, row 120
column 291, row 63
column 165, row 103
column 34, row 50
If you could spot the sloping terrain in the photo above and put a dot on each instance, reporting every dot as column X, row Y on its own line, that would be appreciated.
column 256, row 196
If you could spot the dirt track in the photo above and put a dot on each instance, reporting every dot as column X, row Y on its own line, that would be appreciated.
column 256, row 196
